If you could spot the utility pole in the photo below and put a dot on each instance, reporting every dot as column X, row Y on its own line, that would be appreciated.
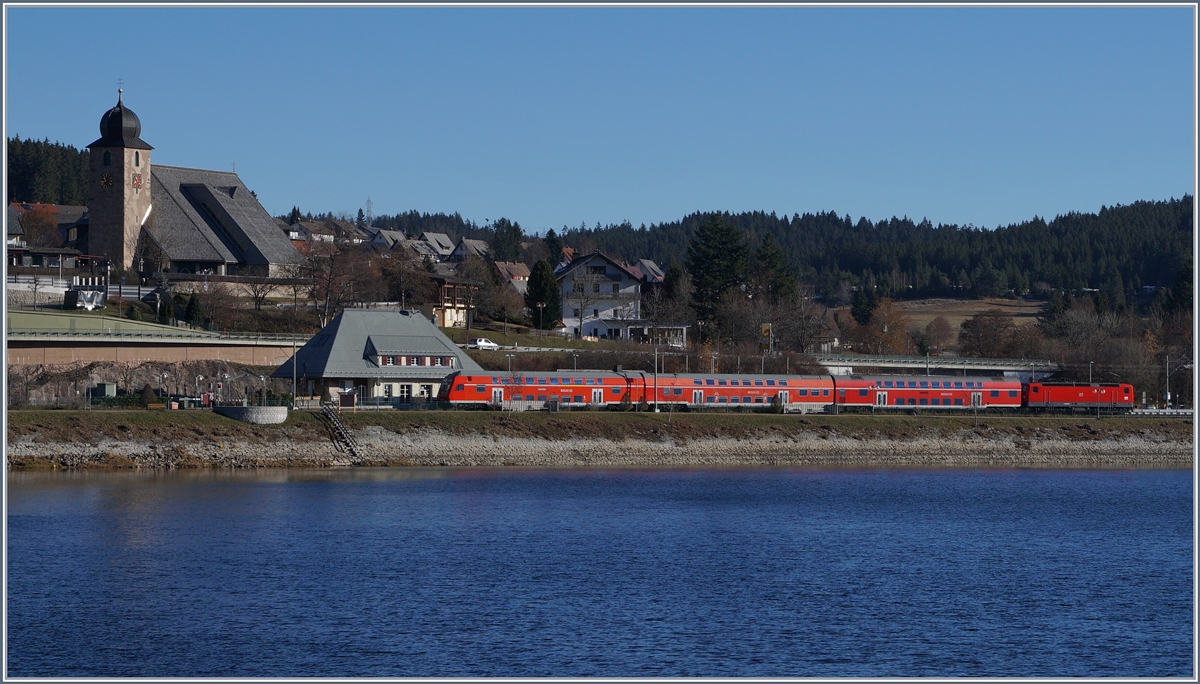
column 293, row 371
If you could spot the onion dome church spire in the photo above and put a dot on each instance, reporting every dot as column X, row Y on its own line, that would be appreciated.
column 120, row 127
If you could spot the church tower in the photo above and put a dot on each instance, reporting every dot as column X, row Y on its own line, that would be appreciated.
column 118, row 186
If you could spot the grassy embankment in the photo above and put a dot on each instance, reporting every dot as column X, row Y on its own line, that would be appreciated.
column 192, row 426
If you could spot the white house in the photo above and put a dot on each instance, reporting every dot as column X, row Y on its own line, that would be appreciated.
column 600, row 296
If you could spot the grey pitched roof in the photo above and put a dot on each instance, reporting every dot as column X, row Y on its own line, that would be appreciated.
column 440, row 242
column 423, row 248
column 342, row 348
column 202, row 215
column 580, row 261
column 468, row 247
column 391, row 238
column 651, row 270
column 13, row 220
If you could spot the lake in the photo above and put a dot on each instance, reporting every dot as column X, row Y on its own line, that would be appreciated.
column 406, row 572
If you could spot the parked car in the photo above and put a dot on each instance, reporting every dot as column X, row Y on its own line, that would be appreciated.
column 482, row 343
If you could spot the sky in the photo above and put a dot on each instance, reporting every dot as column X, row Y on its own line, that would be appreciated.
column 557, row 116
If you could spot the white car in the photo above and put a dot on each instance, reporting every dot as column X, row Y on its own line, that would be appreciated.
column 483, row 343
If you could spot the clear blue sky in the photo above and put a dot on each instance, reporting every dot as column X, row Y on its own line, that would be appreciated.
column 553, row 116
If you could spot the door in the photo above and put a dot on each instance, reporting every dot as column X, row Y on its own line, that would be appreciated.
column 976, row 399
column 881, row 398
column 698, row 397
column 497, row 396
column 597, row 396
column 782, row 398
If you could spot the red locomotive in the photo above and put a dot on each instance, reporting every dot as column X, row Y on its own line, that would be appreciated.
column 1039, row 395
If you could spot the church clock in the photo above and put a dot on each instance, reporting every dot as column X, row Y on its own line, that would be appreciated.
column 106, row 181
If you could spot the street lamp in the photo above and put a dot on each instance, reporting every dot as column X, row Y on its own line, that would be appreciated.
column 198, row 379
column 262, row 398
column 576, row 361
column 510, row 358
column 225, row 377
column 162, row 386
column 540, row 306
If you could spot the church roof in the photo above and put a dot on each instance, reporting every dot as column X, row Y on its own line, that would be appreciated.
column 202, row 215
column 120, row 127
column 343, row 348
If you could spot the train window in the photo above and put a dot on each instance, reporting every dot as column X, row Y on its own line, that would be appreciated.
column 578, row 398
column 958, row 402
column 862, row 393
column 722, row 382
column 842, row 393
column 887, row 383
column 1036, row 389
column 1125, row 390
column 924, row 385
column 710, row 399
column 957, row 384
column 995, row 393
column 758, row 400
column 709, row 381
column 770, row 383
column 899, row 401
column 616, row 390
column 824, row 393
column 783, row 383
column 666, row 391
column 541, row 397
column 911, row 383
column 553, row 381
column 935, row 384
column 734, row 400
column 1012, row 393
column 803, row 392
column 677, row 391
column 541, row 381
column 697, row 382
column 924, row 402
column 480, row 388
column 458, row 388
column 912, row 402
column 934, row 401
column 723, row 400
column 528, row 397
column 745, row 400
column 971, row 385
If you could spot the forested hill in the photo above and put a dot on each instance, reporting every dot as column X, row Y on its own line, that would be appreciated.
column 1120, row 249
column 45, row 172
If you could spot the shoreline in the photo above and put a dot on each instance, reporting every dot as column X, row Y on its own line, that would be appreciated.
column 67, row 440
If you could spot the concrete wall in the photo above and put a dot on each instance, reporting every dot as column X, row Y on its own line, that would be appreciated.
column 261, row 415
column 64, row 353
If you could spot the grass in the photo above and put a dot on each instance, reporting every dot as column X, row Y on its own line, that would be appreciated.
column 196, row 425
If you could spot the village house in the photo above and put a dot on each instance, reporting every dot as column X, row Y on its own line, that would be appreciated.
column 391, row 357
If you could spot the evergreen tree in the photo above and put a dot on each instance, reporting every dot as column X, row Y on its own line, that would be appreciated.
column 554, row 244
column 543, row 289
column 717, row 259
column 361, row 220
column 673, row 282
column 192, row 313
column 863, row 306
column 506, row 240
column 771, row 271
column 294, row 217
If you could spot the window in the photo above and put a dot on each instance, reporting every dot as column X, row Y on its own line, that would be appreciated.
column 913, row 402
column 970, row 385
column 1012, row 393
column 575, row 313
column 414, row 360
column 1036, row 389
column 770, row 383
column 758, row 383
column 616, row 390
column 924, row 402
column 824, row 393
column 458, row 388
column 1124, row 390
column 480, row 388
column 995, row 393
column 758, row 400
column 862, row 393
column 924, row 385
column 899, row 401
column 553, row 381
column 803, row 392
column 935, row 384
column 678, row 391
column 426, row 391
column 697, row 381
column 437, row 361
column 957, row 384
column 578, row 398
column 107, row 158
column 887, row 383
column 912, row 383
column 541, row 381
column 842, row 393
column 723, row 400
column 137, row 158
column 722, row 382
column 710, row 399
column 388, row 360
column 596, row 270
column 734, row 400
column 709, row 381
column 958, row 402
column 783, row 383
column 541, row 397
column 495, row 380
column 595, row 314
column 616, row 288
column 666, row 391
column 595, row 287
column 935, row 401
column 528, row 397
column 406, row 392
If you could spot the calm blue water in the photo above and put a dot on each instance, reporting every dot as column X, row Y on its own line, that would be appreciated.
column 406, row 572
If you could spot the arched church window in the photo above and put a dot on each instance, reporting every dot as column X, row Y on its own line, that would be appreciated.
column 107, row 158
column 137, row 159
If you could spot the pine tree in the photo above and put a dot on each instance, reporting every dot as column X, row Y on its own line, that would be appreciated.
column 771, row 271
column 506, row 240
column 717, row 260
column 543, row 289
column 554, row 244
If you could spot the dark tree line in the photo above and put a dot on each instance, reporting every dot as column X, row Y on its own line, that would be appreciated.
column 40, row 171
column 1118, row 250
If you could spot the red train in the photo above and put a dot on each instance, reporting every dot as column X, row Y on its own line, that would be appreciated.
column 789, row 393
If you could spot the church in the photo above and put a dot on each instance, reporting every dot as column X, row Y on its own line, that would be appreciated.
column 169, row 219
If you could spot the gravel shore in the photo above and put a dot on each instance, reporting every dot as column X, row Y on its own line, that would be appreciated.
column 381, row 447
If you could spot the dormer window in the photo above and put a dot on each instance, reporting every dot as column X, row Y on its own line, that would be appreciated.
column 387, row 360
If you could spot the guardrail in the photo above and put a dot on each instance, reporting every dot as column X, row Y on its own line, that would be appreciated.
column 188, row 335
